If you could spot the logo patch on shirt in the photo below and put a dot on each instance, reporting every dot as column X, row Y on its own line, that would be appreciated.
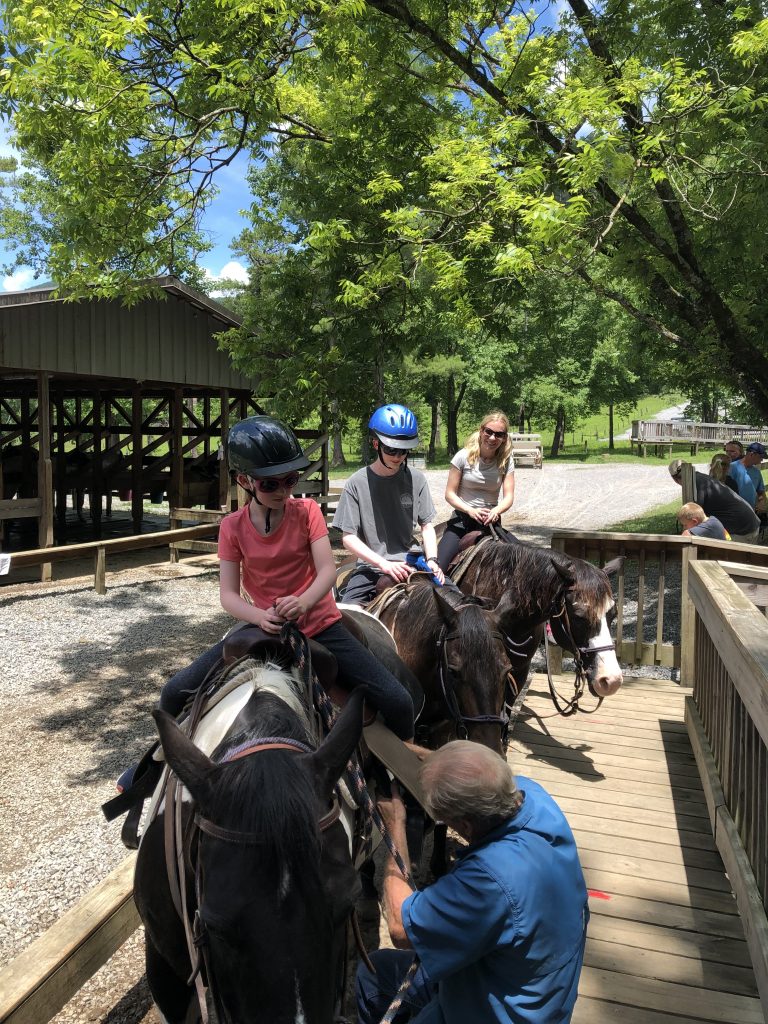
column 406, row 500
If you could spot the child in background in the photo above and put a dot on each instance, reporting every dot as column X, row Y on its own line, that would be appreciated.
column 696, row 523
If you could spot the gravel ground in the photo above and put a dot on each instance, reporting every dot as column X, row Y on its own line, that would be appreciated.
column 79, row 674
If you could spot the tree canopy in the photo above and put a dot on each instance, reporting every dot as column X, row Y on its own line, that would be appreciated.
column 417, row 165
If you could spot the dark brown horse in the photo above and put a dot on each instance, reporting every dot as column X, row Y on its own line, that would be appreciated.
column 542, row 586
column 454, row 646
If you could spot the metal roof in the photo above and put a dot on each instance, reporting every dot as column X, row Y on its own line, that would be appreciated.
column 156, row 340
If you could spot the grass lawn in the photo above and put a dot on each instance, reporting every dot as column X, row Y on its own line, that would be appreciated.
column 660, row 519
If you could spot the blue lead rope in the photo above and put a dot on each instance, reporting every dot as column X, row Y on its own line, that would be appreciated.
column 418, row 561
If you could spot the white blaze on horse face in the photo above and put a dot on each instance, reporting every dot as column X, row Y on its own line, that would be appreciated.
column 285, row 883
column 299, row 1018
column 608, row 675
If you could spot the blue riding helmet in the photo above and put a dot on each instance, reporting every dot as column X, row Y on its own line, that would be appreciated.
column 396, row 426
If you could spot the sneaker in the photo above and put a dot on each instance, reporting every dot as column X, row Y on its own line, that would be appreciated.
column 126, row 779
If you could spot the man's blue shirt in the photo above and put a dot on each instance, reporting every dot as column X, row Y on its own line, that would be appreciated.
column 503, row 934
column 745, row 482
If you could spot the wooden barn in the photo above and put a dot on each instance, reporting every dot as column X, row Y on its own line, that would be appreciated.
column 117, row 400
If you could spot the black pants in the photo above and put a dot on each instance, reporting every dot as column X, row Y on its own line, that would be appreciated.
column 357, row 666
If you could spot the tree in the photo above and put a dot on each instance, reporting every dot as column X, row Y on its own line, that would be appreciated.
column 625, row 146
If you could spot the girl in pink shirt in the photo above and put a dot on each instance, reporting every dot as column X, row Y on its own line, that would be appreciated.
column 277, row 549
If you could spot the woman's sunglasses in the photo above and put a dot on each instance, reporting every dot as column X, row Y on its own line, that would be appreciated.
column 276, row 483
column 500, row 434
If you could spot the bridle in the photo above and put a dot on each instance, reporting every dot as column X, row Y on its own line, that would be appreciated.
column 195, row 929
column 448, row 689
column 581, row 679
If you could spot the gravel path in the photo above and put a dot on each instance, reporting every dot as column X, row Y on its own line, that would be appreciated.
column 79, row 674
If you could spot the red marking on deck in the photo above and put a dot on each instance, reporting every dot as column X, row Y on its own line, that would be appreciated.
column 598, row 895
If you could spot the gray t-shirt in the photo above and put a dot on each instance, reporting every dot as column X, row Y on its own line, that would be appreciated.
column 480, row 483
column 383, row 511
column 711, row 527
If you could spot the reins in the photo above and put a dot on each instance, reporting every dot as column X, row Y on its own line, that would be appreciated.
column 581, row 679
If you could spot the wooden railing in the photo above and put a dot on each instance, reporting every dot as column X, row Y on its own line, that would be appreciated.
column 652, row 562
column 99, row 549
column 654, row 431
column 727, row 720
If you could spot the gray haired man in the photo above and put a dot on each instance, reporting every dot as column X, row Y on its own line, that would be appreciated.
column 501, row 937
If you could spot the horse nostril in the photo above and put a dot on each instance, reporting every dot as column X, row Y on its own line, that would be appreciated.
column 607, row 685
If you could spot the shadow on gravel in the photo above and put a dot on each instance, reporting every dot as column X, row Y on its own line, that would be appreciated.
column 109, row 685
column 133, row 1007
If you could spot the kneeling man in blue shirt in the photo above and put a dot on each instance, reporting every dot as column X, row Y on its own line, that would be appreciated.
column 501, row 937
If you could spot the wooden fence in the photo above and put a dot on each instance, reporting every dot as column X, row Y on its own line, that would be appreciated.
column 665, row 433
column 99, row 549
column 663, row 633
column 42, row 979
column 727, row 720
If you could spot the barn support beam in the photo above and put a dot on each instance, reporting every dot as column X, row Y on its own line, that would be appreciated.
column 44, row 469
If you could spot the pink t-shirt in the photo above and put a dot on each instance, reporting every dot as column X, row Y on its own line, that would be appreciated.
column 280, row 563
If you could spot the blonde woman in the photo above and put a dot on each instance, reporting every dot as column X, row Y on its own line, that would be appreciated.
column 720, row 470
column 481, row 484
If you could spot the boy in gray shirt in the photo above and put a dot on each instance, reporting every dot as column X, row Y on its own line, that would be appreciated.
column 381, row 506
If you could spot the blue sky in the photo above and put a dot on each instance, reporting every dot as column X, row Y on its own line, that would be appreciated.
column 223, row 221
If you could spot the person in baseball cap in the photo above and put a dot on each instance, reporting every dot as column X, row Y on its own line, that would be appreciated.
column 753, row 457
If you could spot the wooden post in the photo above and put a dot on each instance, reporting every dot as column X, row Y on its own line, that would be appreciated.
column 225, row 495
column 687, row 620
column 100, row 570
column 689, row 482
column 44, row 470
column 175, row 498
column 137, row 444
column 97, row 485
column 61, row 466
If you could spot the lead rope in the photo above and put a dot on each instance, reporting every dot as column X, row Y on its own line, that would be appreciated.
column 299, row 645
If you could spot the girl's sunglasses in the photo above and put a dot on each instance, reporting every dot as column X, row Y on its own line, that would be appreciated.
column 500, row 434
column 388, row 450
column 274, row 483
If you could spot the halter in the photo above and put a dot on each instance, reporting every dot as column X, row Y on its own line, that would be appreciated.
column 447, row 686
column 570, row 707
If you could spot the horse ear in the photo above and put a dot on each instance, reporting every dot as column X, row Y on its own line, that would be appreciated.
column 565, row 571
column 614, row 567
column 446, row 610
column 188, row 761
column 330, row 759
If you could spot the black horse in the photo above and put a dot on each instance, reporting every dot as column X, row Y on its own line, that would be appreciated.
column 268, row 880
column 541, row 586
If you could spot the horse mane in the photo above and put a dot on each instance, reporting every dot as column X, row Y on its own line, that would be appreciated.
column 476, row 644
column 523, row 572
column 269, row 794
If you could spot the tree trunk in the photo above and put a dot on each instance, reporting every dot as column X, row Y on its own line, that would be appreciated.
column 453, row 404
column 559, row 436
column 433, row 429
column 521, row 418
column 610, row 428
column 337, row 455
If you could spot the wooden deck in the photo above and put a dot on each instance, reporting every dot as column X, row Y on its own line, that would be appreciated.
column 665, row 943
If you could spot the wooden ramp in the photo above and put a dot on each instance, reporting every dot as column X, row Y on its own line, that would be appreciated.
column 665, row 944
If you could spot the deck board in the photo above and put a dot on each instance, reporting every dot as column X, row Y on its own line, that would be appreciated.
column 665, row 944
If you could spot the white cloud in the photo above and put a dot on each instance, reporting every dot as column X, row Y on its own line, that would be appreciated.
column 232, row 271
column 19, row 279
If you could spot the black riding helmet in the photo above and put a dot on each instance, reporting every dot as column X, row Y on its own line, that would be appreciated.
column 263, row 446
